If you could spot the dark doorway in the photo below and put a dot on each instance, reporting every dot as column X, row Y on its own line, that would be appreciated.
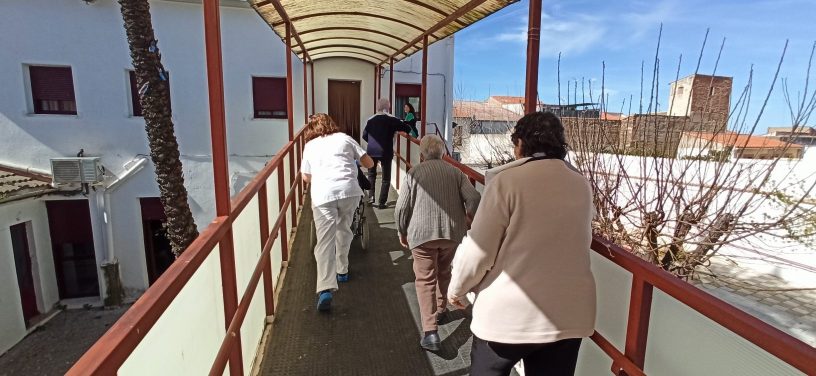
column 158, row 253
column 73, row 248
column 23, row 266
column 344, row 106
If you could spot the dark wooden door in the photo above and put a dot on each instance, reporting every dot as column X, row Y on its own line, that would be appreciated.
column 73, row 248
column 344, row 106
column 22, row 264
column 158, row 253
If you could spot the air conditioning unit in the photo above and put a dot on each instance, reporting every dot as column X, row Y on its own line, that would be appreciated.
column 76, row 170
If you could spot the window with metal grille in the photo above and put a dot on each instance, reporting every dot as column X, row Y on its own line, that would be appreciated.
column 269, row 97
column 135, row 104
column 52, row 90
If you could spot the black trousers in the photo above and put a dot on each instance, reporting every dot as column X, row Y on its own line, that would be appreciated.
column 386, row 178
column 550, row 359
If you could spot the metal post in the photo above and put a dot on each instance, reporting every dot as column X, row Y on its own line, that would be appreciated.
column 263, row 217
column 311, row 68
column 375, row 87
column 424, row 99
column 391, row 85
column 533, row 41
column 289, row 105
column 637, row 329
column 218, row 139
column 305, row 96
column 284, row 234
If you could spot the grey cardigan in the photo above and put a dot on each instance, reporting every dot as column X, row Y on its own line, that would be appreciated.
column 433, row 201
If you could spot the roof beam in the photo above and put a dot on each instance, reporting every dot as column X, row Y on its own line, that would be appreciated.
column 334, row 28
column 347, row 13
column 370, row 58
column 452, row 17
column 434, row 9
column 285, row 16
column 351, row 38
column 350, row 46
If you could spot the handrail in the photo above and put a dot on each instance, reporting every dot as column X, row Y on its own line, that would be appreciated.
column 111, row 351
column 770, row 339
column 243, row 307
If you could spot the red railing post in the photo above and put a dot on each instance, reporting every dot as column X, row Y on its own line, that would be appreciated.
column 637, row 329
column 424, row 98
column 408, row 162
column 305, row 95
column 218, row 139
column 263, row 214
column 391, row 85
column 290, row 107
column 284, row 235
column 533, row 41
column 290, row 155
column 311, row 68
column 376, row 74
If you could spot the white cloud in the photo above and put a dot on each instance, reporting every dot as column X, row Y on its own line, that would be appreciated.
column 573, row 33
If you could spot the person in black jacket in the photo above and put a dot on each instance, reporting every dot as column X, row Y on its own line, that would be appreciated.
column 379, row 134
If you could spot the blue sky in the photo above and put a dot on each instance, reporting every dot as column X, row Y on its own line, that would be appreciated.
column 490, row 55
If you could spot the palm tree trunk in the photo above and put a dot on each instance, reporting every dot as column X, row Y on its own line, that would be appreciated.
column 154, row 97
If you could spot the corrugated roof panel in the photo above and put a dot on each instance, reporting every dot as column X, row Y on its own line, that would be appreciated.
column 376, row 29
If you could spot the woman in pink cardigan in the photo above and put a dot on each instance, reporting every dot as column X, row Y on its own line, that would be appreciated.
column 527, row 259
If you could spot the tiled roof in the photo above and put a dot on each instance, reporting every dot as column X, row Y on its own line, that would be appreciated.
column 742, row 140
column 15, row 183
column 483, row 111
column 507, row 99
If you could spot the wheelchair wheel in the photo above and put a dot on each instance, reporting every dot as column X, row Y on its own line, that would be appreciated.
column 312, row 235
column 365, row 236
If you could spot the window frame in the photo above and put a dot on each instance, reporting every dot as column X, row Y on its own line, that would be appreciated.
column 64, row 107
column 281, row 114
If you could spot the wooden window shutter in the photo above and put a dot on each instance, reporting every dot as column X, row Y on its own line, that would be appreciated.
column 52, row 89
column 269, row 97
column 407, row 90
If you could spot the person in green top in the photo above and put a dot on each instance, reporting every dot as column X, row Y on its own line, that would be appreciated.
column 411, row 119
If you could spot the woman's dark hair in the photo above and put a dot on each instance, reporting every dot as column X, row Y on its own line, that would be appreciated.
column 410, row 108
column 540, row 132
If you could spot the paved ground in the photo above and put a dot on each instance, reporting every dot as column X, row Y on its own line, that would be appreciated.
column 767, row 297
column 54, row 347
column 373, row 328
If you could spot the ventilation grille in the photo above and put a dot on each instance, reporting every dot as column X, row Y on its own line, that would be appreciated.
column 76, row 170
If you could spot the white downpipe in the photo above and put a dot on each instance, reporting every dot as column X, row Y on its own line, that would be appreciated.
column 107, row 214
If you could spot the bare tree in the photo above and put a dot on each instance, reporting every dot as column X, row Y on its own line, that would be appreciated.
column 678, row 213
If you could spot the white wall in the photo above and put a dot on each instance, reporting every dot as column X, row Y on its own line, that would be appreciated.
column 440, row 82
column 12, row 325
column 90, row 38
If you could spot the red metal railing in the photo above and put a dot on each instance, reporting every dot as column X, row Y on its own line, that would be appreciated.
column 646, row 277
column 108, row 354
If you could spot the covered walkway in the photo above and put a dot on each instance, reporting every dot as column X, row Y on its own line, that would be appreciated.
column 373, row 327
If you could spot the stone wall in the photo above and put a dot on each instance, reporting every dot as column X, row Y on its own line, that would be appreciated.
column 591, row 135
column 657, row 135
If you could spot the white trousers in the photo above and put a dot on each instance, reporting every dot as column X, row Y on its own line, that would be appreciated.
column 334, row 236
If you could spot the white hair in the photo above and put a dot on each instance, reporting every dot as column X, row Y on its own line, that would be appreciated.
column 383, row 105
column 432, row 147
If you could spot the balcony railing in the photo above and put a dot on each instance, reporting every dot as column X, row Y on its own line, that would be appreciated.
column 649, row 321
column 179, row 322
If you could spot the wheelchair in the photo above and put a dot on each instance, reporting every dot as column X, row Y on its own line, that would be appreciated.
column 359, row 224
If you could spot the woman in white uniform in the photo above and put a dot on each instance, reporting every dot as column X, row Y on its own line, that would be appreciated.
column 329, row 164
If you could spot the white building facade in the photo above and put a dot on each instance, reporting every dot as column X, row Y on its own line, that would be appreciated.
column 89, row 39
